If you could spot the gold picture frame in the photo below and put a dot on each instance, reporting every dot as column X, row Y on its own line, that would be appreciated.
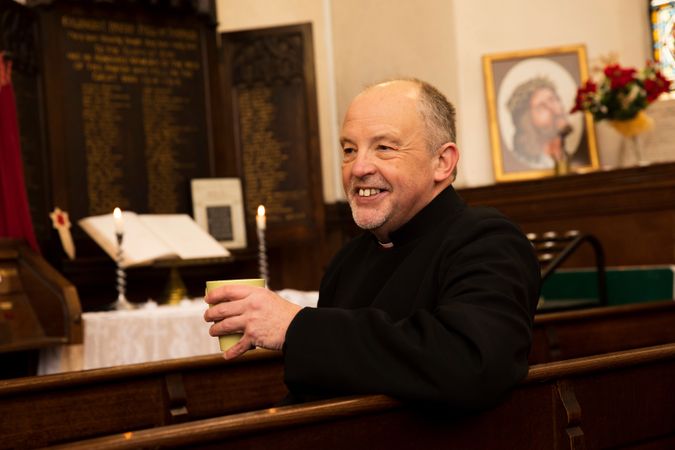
column 529, row 96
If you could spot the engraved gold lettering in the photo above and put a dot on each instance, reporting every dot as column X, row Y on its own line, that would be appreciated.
column 265, row 160
column 135, row 75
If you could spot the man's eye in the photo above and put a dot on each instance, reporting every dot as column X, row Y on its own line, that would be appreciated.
column 348, row 153
column 384, row 147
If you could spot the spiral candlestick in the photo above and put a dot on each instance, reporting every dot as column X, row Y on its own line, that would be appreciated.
column 262, row 257
column 122, row 302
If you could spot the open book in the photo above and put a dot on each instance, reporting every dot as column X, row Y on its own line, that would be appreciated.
column 152, row 237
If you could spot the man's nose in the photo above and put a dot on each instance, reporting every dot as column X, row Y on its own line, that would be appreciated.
column 363, row 164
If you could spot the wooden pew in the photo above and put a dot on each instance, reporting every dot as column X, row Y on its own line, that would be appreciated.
column 38, row 411
column 619, row 399
column 593, row 331
column 76, row 405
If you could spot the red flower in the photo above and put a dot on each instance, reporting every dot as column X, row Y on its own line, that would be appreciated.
column 610, row 69
column 583, row 96
column 590, row 87
column 621, row 93
column 618, row 76
column 656, row 86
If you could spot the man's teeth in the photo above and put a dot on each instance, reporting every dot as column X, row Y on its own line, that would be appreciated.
column 368, row 192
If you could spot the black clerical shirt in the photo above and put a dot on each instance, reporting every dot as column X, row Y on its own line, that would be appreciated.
column 444, row 315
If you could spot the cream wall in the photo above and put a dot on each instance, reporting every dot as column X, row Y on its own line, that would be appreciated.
column 358, row 42
column 494, row 26
column 379, row 39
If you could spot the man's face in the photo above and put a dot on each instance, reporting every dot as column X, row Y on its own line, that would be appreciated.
column 547, row 112
column 387, row 169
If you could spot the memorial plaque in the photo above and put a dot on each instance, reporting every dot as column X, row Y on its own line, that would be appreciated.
column 270, row 88
column 127, row 106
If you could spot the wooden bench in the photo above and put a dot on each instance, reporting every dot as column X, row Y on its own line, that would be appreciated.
column 37, row 411
column 619, row 399
column 593, row 331
column 64, row 407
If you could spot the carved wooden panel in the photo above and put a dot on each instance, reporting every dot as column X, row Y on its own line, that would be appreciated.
column 631, row 211
column 270, row 94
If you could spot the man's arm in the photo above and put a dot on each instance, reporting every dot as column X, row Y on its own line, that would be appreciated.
column 466, row 352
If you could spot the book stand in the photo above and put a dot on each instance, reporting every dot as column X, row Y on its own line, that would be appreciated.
column 175, row 289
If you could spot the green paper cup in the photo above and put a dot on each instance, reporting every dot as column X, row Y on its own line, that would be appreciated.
column 228, row 341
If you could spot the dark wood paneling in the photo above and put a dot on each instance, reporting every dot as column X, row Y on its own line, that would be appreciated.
column 270, row 93
column 635, row 189
column 631, row 211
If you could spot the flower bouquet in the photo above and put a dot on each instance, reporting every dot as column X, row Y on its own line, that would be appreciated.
column 620, row 95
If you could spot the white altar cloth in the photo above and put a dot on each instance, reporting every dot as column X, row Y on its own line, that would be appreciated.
column 114, row 338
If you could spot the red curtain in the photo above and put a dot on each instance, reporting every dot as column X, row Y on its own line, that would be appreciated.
column 15, row 220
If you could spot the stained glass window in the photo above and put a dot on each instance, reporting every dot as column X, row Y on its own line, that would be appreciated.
column 663, row 35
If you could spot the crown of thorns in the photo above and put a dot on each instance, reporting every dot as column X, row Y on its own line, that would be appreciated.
column 520, row 98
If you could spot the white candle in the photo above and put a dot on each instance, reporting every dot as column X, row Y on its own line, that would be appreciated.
column 260, row 219
column 119, row 223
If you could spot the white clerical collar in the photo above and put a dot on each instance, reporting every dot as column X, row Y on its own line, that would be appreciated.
column 386, row 244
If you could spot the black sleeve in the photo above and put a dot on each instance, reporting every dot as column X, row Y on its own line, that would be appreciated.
column 466, row 352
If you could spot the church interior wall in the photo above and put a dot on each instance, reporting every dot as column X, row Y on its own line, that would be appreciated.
column 358, row 43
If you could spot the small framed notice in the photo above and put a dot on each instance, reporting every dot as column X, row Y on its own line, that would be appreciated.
column 219, row 209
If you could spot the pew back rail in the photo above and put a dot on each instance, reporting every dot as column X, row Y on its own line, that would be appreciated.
column 575, row 404
column 95, row 402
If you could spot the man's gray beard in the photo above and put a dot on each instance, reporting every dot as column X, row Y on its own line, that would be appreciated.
column 363, row 225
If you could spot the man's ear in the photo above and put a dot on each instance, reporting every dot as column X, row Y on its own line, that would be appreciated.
column 446, row 160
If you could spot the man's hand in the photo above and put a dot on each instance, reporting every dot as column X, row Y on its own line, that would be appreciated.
column 260, row 314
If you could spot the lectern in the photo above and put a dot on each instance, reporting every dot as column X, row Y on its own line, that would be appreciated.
column 39, row 308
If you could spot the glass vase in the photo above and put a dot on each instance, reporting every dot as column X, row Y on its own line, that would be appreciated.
column 632, row 145
column 630, row 131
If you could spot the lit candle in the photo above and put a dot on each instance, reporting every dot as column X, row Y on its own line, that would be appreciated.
column 122, row 302
column 260, row 218
column 119, row 223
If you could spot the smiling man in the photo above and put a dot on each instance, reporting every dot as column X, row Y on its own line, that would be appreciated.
column 392, row 166
column 434, row 303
